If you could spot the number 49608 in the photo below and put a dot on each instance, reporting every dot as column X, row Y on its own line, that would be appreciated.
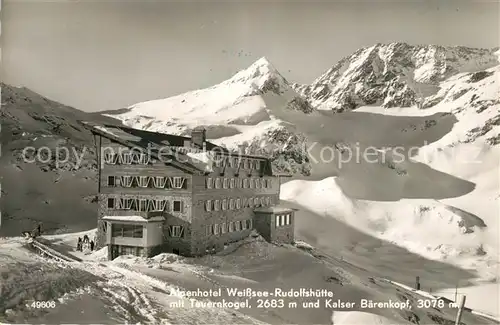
column 43, row 304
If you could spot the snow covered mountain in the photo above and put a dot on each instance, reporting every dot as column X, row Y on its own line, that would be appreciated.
column 392, row 75
column 236, row 112
column 240, row 100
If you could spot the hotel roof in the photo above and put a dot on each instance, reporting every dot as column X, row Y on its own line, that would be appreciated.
column 156, row 142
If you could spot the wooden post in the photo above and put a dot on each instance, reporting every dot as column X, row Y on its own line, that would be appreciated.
column 456, row 291
column 460, row 309
column 99, row 162
column 417, row 283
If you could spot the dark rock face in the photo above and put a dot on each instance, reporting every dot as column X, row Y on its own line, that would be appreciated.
column 478, row 76
column 286, row 149
column 300, row 104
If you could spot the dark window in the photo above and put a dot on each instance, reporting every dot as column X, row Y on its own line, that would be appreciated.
column 128, row 230
column 111, row 203
column 177, row 206
column 111, row 181
column 116, row 231
column 132, row 231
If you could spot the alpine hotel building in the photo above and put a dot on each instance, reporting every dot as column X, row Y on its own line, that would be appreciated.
column 183, row 195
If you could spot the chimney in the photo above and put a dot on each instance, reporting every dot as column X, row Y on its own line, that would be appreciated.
column 198, row 136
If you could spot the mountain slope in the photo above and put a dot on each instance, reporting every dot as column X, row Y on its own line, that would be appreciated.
column 240, row 100
column 392, row 75
column 47, row 164
column 236, row 110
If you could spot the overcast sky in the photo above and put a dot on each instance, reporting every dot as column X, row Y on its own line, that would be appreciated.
column 97, row 55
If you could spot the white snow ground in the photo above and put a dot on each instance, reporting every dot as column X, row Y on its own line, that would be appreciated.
column 362, row 318
column 482, row 298
column 138, row 290
column 123, row 295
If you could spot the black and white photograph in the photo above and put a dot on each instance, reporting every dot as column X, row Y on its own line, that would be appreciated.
column 323, row 162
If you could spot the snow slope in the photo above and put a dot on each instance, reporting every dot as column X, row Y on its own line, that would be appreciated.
column 475, row 297
column 96, row 292
column 240, row 100
column 362, row 318
column 464, row 229
column 140, row 290
column 426, row 227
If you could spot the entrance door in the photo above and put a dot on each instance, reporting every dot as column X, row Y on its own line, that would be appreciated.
column 114, row 252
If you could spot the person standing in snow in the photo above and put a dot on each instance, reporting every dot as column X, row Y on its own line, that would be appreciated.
column 92, row 246
column 79, row 244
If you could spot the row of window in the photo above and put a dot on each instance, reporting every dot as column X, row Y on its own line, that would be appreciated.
column 145, row 205
column 233, row 226
column 137, row 231
column 126, row 158
column 283, row 220
column 131, row 231
column 237, row 203
column 225, row 182
column 176, row 182
column 132, row 157
column 238, row 162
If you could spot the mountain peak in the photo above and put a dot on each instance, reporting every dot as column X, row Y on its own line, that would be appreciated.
column 258, row 74
column 263, row 61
